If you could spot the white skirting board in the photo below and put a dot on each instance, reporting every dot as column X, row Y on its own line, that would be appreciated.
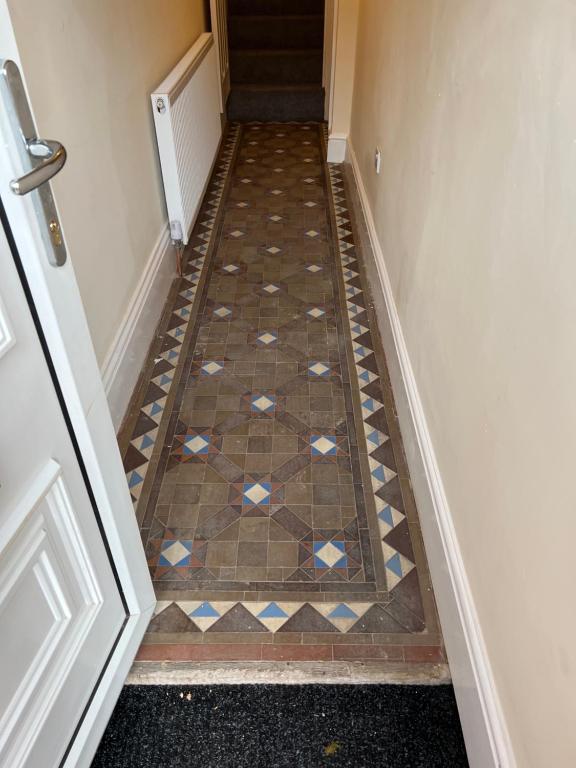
column 127, row 354
column 483, row 723
column 337, row 147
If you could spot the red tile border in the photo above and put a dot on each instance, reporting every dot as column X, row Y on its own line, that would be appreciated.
column 200, row 652
column 365, row 652
column 424, row 653
column 290, row 652
column 297, row 653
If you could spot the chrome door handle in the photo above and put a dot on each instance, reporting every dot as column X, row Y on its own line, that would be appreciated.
column 53, row 157
column 43, row 158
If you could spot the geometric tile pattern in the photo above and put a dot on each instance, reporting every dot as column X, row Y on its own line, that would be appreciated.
column 275, row 484
column 264, row 406
column 277, row 616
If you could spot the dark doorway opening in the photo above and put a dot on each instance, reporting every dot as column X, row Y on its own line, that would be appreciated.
column 276, row 59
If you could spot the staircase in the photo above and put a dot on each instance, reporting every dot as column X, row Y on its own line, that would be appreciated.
column 276, row 58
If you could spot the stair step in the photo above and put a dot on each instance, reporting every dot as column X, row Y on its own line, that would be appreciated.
column 281, row 67
column 248, row 103
column 276, row 31
column 275, row 7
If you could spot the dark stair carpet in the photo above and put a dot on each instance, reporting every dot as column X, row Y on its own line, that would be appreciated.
column 275, row 104
column 276, row 58
column 310, row 726
column 276, row 31
column 281, row 67
column 276, row 7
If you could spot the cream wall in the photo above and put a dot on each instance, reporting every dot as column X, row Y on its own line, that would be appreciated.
column 90, row 67
column 473, row 103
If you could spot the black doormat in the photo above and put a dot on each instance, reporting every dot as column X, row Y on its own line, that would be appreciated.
column 272, row 726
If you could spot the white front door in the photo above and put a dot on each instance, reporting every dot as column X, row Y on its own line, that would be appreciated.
column 60, row 607
column 75, row 593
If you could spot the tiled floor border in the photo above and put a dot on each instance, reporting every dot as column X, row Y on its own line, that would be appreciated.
column 397, row 562
column 283, row 652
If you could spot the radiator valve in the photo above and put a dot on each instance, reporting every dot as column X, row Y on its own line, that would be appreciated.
column 176, row 232
column 178, row 243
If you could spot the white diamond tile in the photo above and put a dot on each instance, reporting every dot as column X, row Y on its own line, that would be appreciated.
column 256, row 493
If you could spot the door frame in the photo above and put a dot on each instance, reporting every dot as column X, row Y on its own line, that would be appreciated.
column 329, row 64
column 218, row 13
column 62, row 322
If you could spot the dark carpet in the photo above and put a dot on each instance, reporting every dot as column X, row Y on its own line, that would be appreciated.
column 276, row 59
column 270, row 726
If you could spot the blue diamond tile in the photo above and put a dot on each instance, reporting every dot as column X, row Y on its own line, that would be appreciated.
column 175, row 553
column 323, row 445
column 331, row 554
column 375, row 438
column 379, row 474
column 205, row 611
column 319, row 369
column 272, row 611
column 395, row 565
column 342, row 611
column 386, row 516
column 135, row 479
column 256, row 493
column 211, row 368
column 146, row 442
column 196, row 445
column 263, row 403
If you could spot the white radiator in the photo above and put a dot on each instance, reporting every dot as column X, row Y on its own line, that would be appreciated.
column 186, row 109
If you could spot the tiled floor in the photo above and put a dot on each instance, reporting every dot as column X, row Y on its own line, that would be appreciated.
column 261, row 448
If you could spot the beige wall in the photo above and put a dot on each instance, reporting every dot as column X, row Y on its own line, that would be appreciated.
column 90, row 67
column 473, row 103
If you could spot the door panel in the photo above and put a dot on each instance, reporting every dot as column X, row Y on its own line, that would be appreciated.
column 60, row 607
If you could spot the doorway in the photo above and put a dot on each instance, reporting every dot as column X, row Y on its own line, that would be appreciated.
column 280, row 58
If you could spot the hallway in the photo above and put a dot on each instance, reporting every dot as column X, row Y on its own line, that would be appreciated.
column 281, row 281
column 261, row 447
